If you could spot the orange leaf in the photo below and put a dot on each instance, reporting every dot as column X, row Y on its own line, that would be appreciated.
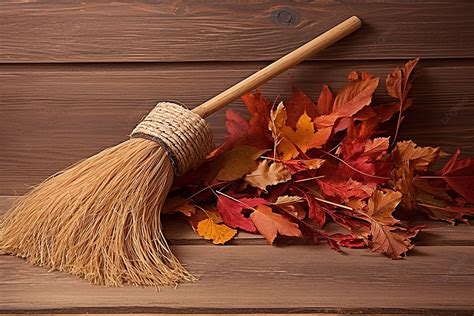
column 303, row 138
column 217, row 232
column 269, row 224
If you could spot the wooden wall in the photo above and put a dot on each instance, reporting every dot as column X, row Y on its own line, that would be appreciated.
column 76, row 76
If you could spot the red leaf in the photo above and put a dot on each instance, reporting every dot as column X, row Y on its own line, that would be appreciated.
column 459, row 174
column 315, row 211
column 298, row 104
column 231, row 211
column 325, row 101
column 345, row 190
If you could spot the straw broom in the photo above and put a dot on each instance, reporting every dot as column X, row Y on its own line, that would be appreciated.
column 100, row 218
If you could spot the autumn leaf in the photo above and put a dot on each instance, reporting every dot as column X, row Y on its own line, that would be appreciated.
column 391, row 241
column 231, row 211
column 459, row 174
column 302, row 138
column 268, row 174
column 219, row 233
column 382, row 204
column 325, row 101
column 269, row 224
column 350, row 100
column 346, row 189
column 287, row 199
column 315, row 212
column 418, row 158
column 237, row 162
column 298, row 104
column 296, row 165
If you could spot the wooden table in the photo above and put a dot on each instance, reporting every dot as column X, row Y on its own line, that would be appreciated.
column 75, row 77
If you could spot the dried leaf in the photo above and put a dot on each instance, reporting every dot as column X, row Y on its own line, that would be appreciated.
column 459, row 174
column 302, row 138
column 217, row 232
column 237, row 162
column 268, row 174
column 269, row 224
column 231, row 211
column 382, row 204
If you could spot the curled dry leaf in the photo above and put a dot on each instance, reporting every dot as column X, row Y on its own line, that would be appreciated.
column 268, row 173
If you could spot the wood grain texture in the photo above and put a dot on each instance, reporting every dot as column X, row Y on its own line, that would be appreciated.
column 263, row 279
column 52, row 116
column 174, row 31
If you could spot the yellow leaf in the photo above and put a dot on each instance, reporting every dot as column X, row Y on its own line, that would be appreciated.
column 267, row 174
column 218, row 233
column 304, row 137
column 237, row 162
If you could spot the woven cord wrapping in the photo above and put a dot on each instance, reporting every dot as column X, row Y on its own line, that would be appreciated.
column 184, row 135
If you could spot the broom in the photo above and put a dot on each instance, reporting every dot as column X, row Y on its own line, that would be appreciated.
column 100, row 218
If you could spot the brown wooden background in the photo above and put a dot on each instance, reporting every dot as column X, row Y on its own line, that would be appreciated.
column 76, row 76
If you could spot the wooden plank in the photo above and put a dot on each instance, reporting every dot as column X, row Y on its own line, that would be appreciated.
column 256, row 279
column 171, row 31
column 179, row 232
column 52, row 116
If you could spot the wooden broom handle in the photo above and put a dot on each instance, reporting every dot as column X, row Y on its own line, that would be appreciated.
column 295, row 57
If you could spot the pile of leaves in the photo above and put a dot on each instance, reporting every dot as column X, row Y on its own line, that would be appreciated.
column 303, row 167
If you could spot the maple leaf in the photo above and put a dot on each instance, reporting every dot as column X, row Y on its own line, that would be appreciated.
column 268, row 174
column 364, row 160
column 237, row 162
column 459, row 174
column 315, row 212
column 298, row 104
column 231, row 211
column 219, row 233
column 350, row 100
column 269, row 224
column 296, row 165
column 259, row 108
column 346, row 189
column 302, row 138
column 418, row 158
column 325, row 101
column 382, row 204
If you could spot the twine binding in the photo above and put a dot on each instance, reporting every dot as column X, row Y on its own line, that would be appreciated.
column 184, row 135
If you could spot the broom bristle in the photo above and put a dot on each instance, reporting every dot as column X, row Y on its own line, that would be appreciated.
column 100, row 219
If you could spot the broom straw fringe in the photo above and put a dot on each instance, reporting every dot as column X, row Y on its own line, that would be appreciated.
column 100, row 218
